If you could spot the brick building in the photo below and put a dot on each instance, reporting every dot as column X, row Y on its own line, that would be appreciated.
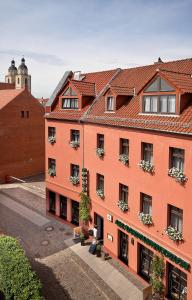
column 21, row 126
column 131, row 130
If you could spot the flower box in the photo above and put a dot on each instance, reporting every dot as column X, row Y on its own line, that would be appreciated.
column 122, row 205
column 100, row 193
column 146, row 219
column 124, row 159
column 51, row 172
column 100, row 152
column 51, row 139
column 74, row 144
column 174, row 234
column 146, row 166
column 178, row 175
column 74, row 180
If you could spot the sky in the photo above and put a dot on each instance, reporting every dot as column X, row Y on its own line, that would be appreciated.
column 55, row 36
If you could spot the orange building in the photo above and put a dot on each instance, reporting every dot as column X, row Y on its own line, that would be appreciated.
column 131, row 131
column 22, row 128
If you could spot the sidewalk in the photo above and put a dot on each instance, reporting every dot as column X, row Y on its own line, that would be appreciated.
column 123, row 287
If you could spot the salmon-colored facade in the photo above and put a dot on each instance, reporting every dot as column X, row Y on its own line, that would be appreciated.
column 166, row 135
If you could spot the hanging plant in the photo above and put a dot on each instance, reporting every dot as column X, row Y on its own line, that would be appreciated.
column 74, row 180
column 124, row 159
column 146, row 219
column 74, row 144
column 174, row 234
column 100, row 193
column 100, row 152
column 52, row 139
column 178, row 175
column 51, row 172
column 122, row 205
column 146, row 166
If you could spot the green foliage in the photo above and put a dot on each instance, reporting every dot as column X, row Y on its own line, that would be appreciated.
column 158, row 268
column 82, row 236
column 17, row 280
column 84, row 207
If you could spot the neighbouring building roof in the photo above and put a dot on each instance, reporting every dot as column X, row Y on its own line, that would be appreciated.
column 6, row 96
column 6, row 86
column 130, row 82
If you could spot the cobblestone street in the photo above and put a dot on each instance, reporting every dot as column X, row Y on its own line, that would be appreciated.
column 63, row 274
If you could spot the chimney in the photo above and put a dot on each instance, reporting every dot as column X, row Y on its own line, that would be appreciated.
column 159, row 61
column 77, row 75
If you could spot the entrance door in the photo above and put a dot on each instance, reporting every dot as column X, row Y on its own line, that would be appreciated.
column 52, row 202
column 75, row 212
column 123, row 247
column 177, row 284
column 146, row 257
column 63, row 207
column 98, row 220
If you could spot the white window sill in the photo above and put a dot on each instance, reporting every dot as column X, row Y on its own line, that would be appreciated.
column 159, row 115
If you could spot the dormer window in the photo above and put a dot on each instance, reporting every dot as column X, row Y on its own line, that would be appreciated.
column 164, row 104
column 110, row 104
column 159, row 97
column 68, row 103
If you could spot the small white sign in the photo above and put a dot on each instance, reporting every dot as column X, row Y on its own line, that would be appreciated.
column 109, row 217
column 110, row 237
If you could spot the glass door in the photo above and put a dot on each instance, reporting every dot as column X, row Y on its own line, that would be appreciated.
column 52, row 202
column 98, row 220
column 63, row 207
column 146, row 257
column 75, row 212
column 123, row 247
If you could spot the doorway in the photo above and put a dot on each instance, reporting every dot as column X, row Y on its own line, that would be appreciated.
column 63, row 207
column 177, row 284
column 123, row 247
column 52, row 202
column 98, row 220
column 75, row 212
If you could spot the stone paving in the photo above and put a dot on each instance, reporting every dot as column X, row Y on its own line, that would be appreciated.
column 63, row 271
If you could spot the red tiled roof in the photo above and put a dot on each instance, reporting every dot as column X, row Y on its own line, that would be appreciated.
column 124, row 91
column 68, row 114
column 6, row 86
column 128, row 115
column 7, row 96
column 85, row 88
column 100, row 79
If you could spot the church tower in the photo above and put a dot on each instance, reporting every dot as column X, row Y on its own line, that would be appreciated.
column 12, row 72
column 22, row 79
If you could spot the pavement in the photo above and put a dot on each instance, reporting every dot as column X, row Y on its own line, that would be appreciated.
column 66, row 270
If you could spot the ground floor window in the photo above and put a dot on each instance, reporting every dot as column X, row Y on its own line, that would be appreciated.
column 75, row 212
column 177, row 285
column 145, row 268
column 52, row 202
column 63, row 207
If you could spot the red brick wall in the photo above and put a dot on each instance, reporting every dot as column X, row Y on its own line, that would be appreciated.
column 22, row 140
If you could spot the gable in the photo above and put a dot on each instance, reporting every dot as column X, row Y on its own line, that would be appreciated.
column 159, row 85
column 69, row 92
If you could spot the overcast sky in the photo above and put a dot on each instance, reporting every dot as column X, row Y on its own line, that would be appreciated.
column 91, row 35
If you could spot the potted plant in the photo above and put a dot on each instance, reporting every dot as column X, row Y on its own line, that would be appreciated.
column 100, row 152
column 146, row 166
column 51, row 139
column 146, row 219
column 100, row 193
column 98, row 250
column 74, row 180
column 51, row 172
column 82, row 238
column 158, row 268
column 74, row 144
column 122, row 205
column 124, row 159
column 178, row 175
column 174, row 234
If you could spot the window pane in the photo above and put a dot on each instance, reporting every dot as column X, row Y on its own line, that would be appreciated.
column 163, row 104
column 110, row 103
column 154, row 101
column 147, row 104
column 154, row 86
column 164, row 86
column 171, row 104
